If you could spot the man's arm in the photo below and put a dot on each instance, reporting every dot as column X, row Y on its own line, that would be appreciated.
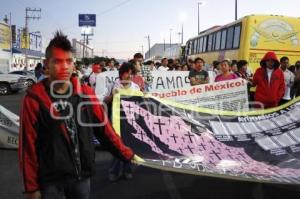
column 206, row 81
column 109, row 133
column 28, row 160
column 292, row 79
column 281, row 87
column 255, row 78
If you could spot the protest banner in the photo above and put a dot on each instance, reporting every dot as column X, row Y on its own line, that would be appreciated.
column 9, row 129
column 167, row 80
column 261, row 146
column 159, row 80
column 226, row 95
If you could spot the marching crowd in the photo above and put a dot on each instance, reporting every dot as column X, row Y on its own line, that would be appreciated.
column 56, row 153
column 274, row 83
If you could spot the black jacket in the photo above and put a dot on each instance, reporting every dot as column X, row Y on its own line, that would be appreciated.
column 45, row 150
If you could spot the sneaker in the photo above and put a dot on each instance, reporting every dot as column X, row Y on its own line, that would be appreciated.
column 128, row 176
column 113, row 177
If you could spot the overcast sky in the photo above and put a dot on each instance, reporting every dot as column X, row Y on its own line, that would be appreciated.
column 123, row 24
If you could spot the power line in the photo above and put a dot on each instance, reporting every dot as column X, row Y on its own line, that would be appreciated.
column 114, row 7
column 102, row 13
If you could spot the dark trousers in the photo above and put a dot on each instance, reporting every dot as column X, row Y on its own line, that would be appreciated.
column 75, row 190
column 283, row 101
column 119, row 167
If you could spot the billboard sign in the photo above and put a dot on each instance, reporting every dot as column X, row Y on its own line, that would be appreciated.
column 35, row 42
column 87, row 20
column 5, row 43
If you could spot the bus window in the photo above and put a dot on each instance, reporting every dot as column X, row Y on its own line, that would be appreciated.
column 186, row 52
column 201, row 45
column 237, row 34
column 187, row 48
column 198, row 46
column 210, row 42
column 218, row 41
column 223, row 40
column 198, row 43
column 229, row 40
column 195, row 46
column 190, row 47
column 214, row 41
column 204, row 44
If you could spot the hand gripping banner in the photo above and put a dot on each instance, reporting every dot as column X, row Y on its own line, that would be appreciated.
column 261, row 146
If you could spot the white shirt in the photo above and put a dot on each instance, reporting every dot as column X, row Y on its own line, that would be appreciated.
column 111, row 69
column 289, row 81
column 118, row 85
column 269, row 73
column 92, row 80
column 86, row 71
column 162, row 68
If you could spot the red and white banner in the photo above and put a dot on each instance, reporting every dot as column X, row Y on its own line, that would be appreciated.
column 225, row 95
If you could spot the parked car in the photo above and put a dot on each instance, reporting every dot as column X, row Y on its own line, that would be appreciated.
column 31, row 79
column 12, row 83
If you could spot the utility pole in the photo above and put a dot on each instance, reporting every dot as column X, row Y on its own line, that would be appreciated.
column 11, row 39
column 86, row 32
column 83, row 47
column 84, row 41
column 30, row 14
column 236, row 10
column 170, row 40
column 179, row 36
column 148, row 38
column 201, row 3
column 182, row 33
column 142, row 46
column 199, row 18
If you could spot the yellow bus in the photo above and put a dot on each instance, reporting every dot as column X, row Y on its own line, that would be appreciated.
column 248, row 38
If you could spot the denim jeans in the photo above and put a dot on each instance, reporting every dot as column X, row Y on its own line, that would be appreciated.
column 74, row 190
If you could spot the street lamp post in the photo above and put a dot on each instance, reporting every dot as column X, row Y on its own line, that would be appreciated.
column 200, row 3
column 182, row 19
column 182, row 33
column 170, row 40
column 235, row 9
column 142, row 46
column 163, row 37
column 149, row 52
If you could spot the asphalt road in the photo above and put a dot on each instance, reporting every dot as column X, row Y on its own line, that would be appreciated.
column 147, row 183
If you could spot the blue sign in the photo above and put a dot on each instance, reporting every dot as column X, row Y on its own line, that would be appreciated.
column 87, row 20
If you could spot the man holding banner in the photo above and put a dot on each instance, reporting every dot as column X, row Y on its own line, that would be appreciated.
column 58, row 119
column 118, row 167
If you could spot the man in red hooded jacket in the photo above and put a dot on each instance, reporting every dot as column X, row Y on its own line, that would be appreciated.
column 269, row 81
column 58, row 119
